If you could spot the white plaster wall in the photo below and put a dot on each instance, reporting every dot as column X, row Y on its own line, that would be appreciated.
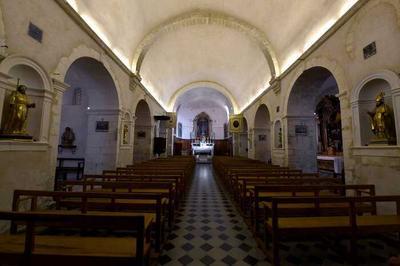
column 101, row 147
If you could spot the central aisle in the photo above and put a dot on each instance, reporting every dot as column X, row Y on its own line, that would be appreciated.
column 208, row 229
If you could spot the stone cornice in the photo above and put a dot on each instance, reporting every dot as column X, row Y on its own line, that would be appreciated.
column 83, row 25
column 59, row 86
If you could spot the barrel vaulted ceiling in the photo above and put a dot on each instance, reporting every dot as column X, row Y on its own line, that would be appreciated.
column 238, row 44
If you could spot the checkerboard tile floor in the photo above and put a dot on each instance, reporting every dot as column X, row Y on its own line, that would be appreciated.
column 209, row 230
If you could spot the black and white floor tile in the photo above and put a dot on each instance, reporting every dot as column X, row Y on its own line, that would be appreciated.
column 209, row 230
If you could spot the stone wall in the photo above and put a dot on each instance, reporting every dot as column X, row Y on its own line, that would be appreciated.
column 25, row 165
column 342, row 54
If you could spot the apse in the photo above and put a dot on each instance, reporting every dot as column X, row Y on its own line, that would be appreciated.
column 202, row 112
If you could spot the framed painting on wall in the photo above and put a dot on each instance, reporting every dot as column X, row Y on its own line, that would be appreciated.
column 102, row 126
column 141, row 134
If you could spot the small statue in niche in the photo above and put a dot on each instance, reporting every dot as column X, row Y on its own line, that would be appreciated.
column 15, row 124
column 68, row 137
column 125, row 132
column 382, row 122
column 280, row 138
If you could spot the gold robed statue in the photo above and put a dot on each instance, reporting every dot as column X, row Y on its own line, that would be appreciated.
column 382, row 122
column 125, row 135
column 15, row 124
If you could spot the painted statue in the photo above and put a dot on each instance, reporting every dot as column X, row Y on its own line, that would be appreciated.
column 18, row 112
column 125, row 132
column 382, row 121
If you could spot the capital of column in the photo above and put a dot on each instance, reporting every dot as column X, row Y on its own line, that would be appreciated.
column 275, row 85
column 134, row 82
column 395, row 91
column 59, row 86
column 6, row 82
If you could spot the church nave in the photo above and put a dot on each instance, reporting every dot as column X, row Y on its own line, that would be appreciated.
column 208, row 229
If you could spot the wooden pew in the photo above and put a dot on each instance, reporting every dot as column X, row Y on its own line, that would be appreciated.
column 166, row 189
column 261, row 195
column 141, row 203
column 175, row 180
column 243, row 182
column 246, row 186
column 352, row 224
column 35, row 249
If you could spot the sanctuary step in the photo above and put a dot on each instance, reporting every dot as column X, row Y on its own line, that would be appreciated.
column 202, row 158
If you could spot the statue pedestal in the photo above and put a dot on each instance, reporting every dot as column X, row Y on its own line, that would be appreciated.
column 383, row 141
column 16, row 137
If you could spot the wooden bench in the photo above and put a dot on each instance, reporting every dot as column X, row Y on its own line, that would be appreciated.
column 261, row 197
column 352, row 224
column 140, row 203
column 36, row 249
column 166, row 189
column 177, row 180
column 133, row 178
column 243, row 183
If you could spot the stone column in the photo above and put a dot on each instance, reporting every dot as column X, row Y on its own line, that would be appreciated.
column 301, row 147
column 155, row 132
column 250, row 145
column 349, row 116
column 285, row 141
column 48, row 99
column 55, row 118
column 169, row 142
column 396, row 110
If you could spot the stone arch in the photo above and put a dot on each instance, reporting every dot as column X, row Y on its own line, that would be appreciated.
column 391, row 77
column 199, row 17
column 349, row 41
column 306, row 121
column 142, row 97
column 331, row 65
column 142, row 141
column 393, row 81
column 203, row 84
column 65, row 63
column 90, row 107
column 14, row 60
column 262, row 134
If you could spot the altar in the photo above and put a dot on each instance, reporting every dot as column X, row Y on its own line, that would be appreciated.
column 206, row 148
column 332, row 164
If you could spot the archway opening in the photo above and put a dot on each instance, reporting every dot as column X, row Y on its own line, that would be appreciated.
column 202, row 116
column 262, row 134
column 89, row 118
column 314, row 123
column 142, row 138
